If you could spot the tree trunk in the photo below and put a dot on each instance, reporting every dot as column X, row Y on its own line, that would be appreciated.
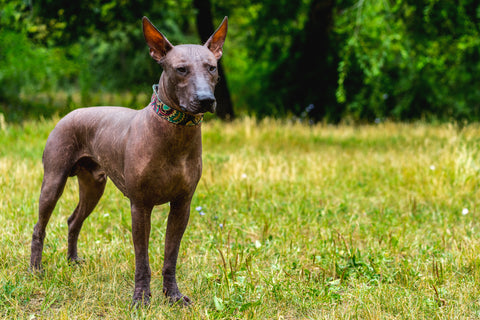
column 205, row 30
column 317, row 72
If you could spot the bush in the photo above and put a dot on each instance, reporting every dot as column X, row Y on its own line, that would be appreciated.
column 28, row 68
column 410, row 60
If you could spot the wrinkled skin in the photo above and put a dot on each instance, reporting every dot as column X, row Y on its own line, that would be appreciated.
column 151, row 160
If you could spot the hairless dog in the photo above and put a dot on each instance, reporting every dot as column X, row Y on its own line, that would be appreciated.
column 153, row 155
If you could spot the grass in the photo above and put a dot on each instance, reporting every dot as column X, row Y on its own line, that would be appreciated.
column 297, row 222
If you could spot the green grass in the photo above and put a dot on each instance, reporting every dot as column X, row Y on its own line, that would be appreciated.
column 301, row 222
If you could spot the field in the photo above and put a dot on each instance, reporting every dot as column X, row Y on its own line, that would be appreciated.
column 289, row 221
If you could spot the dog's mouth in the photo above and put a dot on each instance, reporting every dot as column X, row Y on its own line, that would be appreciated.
column 198, row 107
column 207, row 106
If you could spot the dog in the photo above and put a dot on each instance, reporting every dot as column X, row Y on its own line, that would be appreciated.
column 153, row 156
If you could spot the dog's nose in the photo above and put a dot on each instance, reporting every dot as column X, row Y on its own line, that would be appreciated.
column 207, row 102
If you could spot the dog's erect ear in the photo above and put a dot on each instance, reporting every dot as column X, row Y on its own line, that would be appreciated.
column 215, row 42
column 159, row 45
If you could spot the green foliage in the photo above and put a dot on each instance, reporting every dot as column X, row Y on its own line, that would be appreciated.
column 410, row 59
column 110, row 40
column 55, row 58
column 314, row 59
column 263, row 40
column 27, row 68
column 381, row 59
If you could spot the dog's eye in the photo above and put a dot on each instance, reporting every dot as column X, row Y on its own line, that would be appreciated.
column 212, row 68
column 182, row 70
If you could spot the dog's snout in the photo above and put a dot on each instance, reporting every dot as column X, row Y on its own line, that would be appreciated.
column 207, row 102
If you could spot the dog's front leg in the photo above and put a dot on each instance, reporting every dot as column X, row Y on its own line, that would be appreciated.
column 176, row 225
column 141, row 233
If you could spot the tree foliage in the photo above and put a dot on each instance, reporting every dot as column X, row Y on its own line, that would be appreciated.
column 410, row 59
column 320, row 59
column 27, row 68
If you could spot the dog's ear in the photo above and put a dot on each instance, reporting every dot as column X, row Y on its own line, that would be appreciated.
column 215, row 42
column 159, row 45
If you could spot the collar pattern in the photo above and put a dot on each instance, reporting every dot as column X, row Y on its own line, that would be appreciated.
column 173, row 115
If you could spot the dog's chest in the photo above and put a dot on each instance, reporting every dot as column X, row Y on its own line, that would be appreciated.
column 164, row 181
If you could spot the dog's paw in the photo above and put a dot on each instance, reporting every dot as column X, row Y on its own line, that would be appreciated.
column 138, row 303
column 176, row 298
column 181, row 300
column 141, row 298
column 75, row 261
column 36, row 270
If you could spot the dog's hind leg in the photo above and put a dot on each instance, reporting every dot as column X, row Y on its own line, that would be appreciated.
column 52, row 188
column 91, row 185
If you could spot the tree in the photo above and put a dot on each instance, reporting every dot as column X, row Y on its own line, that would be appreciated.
column 294, row 58
column 309, row 71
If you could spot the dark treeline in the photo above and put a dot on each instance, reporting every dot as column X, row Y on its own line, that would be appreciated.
column 329, row 60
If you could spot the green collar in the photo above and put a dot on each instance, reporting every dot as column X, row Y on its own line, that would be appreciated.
column 173, row 115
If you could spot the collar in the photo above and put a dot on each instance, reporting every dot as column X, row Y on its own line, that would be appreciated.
column 173, row 115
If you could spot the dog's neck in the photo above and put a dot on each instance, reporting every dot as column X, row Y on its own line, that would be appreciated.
column 173, row 115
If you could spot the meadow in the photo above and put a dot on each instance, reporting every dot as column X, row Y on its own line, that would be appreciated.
column 289, row 221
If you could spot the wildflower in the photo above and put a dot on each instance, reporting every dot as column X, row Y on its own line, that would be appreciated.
column 244, row 176
column 198, row 208
column 432, row 167
column 106, row 214
column 221, row 225
column 201, row 213
column 309, row 108
column 465, row 211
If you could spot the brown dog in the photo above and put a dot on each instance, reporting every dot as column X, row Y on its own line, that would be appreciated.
column 153, row 155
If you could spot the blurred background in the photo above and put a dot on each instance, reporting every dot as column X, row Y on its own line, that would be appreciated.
column 315, row 60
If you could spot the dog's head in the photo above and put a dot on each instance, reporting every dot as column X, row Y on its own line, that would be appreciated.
column 189, row 71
